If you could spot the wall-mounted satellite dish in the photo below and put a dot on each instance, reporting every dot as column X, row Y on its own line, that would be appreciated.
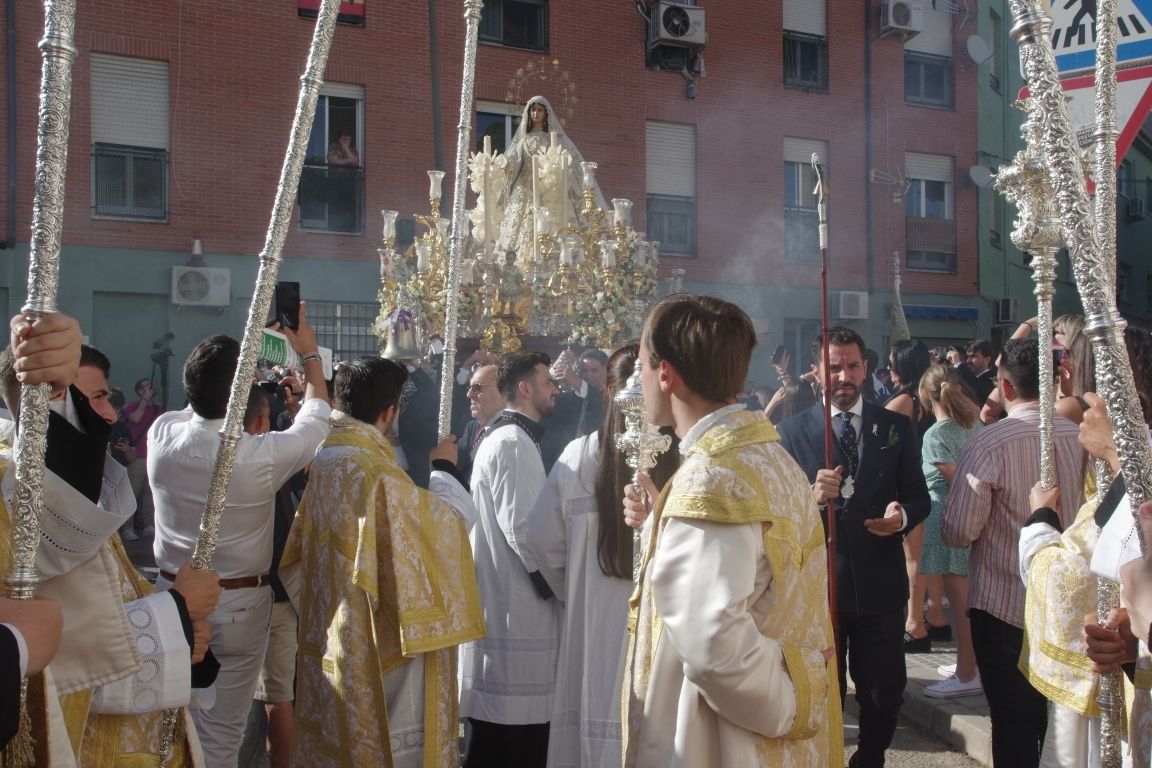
column 980, row 176
column 978, row 49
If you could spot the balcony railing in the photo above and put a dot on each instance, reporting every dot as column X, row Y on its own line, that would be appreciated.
column 332, row 198
column 925, row 234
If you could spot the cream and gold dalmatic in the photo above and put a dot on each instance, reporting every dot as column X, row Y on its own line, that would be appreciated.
column 384, row 580
column 758, row 692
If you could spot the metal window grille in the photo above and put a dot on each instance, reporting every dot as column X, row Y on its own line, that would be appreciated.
column 345, row 327
column 130, row 182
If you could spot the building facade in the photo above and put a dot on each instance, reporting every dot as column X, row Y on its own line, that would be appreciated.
column 180, row 117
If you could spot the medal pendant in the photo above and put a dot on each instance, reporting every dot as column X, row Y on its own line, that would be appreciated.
column 847, row 489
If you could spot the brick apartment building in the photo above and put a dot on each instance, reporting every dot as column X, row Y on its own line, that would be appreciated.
column 181, row 113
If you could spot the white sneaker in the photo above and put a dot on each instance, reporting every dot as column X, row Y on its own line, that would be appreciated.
column 953, row 688
column 946, row 670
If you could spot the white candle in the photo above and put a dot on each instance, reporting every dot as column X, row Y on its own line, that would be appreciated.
column 641, row 254
column 552, row 138
column 487, row 145
column 608, row 254
column 389, row 224
column 565, row 164
column 435, row 183
column 423, row 252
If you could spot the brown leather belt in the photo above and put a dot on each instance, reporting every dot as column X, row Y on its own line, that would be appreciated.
column 243, row 582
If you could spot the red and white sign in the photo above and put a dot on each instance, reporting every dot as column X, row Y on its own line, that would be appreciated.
column 1133, row 103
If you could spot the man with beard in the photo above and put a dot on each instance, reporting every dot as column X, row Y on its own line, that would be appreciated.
column 880, row 495
column 507, row 677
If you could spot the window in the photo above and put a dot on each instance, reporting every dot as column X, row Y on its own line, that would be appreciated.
column 671, row 184
column 805, row 61
column 515, row 23
column 1123, row 279
column 805, row 44
column 996, row 222
column 1124, row 179
column 928, row 60
column 927, row 80
column 345, row 327
column 332, row 182
column 129, row 138
column 930, row 228
column 994, row 71
column 497, row 121
column 801, row 219
column 351, row 11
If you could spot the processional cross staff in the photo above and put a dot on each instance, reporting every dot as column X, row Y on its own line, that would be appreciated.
column 57, row 52
column 1091, row 246
column 821, row 193
column 270, row 259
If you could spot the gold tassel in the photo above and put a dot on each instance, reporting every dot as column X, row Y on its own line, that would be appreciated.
column 23, row 751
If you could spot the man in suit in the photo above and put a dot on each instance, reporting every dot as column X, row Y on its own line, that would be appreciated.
column 980, row 363
column 879, row 495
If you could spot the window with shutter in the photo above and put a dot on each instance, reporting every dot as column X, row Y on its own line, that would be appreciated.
column 332, row 182
column 671, row 186
column 130, row 135
column 801, row 220
column 515, row 24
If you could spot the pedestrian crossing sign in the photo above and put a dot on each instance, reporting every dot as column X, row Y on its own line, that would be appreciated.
column 1074, row 33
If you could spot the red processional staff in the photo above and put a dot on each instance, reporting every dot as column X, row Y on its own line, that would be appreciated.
column 822, row 209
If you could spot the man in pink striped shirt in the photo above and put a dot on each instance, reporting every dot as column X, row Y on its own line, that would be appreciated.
column 986, row 509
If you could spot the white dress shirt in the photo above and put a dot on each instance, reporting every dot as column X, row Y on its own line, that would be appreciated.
column 181, row 457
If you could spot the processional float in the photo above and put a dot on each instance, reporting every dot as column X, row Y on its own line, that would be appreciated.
column 1049, row 171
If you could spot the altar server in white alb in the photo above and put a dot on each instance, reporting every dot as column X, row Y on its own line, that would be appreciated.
column 583, row 547
column 729, row 661
column 507, row 677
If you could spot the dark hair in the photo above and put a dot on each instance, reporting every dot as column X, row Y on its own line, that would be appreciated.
column 141, row 381
column 208, row 375
column 838, row 336
column 595, row 354
column 979, row 347
column 93, row 357
column 1020, row 364
column 1139, row 343
column 707, row 340
column 257, row 406
column 368, row 386
column 872, row 359
column 515, row 368
column 116, row 398
column 910, row 359
column 614, row 540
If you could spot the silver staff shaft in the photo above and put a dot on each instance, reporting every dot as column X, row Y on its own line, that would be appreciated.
column 270, row 258
column 1110, row 695
column 57, row 52
column 472, row 10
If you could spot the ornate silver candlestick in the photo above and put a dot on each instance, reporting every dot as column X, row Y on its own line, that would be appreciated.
column 641, row 443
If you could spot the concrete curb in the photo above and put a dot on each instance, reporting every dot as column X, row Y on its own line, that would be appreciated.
column 962, row 723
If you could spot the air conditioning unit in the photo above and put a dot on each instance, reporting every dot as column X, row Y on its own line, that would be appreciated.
column 905, row 17
column 852, row 305
column 1136, row 210
column 1007, row 311
column 201, row 286
column 675, row 24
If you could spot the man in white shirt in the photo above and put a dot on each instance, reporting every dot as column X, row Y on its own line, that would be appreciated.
column 181, row 459
column 507, row 677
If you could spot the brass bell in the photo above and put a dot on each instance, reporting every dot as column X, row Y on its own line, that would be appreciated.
column 403, row 336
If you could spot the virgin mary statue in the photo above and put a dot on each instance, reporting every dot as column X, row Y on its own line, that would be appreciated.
column 534, row 137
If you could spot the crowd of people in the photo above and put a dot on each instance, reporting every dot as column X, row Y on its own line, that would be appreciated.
column 377, row 587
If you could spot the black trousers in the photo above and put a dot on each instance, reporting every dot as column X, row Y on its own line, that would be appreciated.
column 1019, row 712
column 492, row 745
column 874, row 646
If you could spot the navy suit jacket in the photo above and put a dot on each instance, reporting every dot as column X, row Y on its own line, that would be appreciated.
column 870, row 572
